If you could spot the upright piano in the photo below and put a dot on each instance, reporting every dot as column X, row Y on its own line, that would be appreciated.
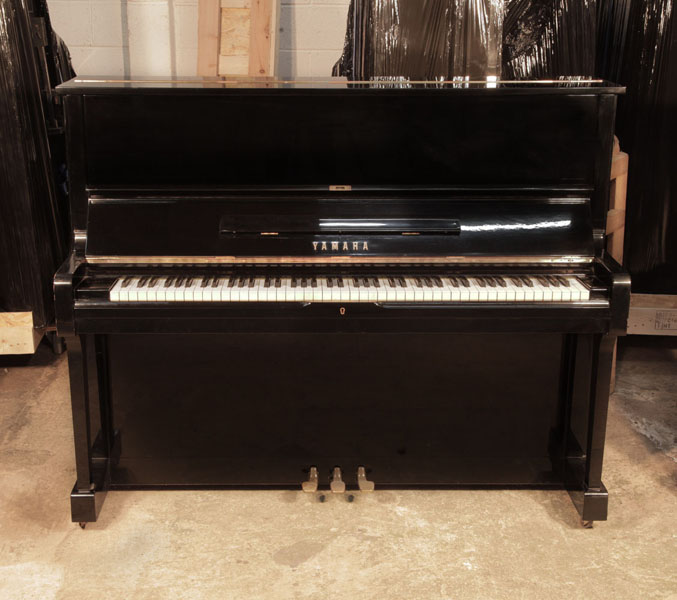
column 334, row 285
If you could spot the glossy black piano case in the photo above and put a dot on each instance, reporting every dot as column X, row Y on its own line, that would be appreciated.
column 249, row 395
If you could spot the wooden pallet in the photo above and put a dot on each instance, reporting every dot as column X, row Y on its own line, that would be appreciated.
column 615, row 220
column 237, row 37
column 17, row 333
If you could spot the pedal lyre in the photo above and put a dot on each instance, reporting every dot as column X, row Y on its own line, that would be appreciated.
column 310, row 486
column 337, row 485
column 362, row 482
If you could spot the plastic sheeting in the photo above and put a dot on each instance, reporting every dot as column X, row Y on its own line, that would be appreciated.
column 32, row 231
column 422, row 40
column 638, row 48
column 545, row 39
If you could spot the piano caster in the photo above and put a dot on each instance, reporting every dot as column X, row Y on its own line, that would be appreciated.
column 350, row 498
column 587, row 524
column 82, row 524
column 362, row 482
column 337, row 485
column 310, row 486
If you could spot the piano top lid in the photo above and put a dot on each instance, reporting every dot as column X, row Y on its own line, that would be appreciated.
column 244, row 85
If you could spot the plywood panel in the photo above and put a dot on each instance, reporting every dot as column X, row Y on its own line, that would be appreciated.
column 208, row 32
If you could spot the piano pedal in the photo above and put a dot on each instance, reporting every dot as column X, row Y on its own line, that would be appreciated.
column 362, row 482
column 337, row 485
column 310, row 486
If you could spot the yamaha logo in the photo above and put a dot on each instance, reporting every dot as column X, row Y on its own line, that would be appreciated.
column 341, row 246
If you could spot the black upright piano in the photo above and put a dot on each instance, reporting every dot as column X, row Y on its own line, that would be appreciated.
column 333, row 285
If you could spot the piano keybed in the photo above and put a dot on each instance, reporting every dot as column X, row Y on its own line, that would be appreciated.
column 350, row 289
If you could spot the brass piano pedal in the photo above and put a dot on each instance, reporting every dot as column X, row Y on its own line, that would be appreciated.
column 310, row 486
column 337, row 485
column 362, row 482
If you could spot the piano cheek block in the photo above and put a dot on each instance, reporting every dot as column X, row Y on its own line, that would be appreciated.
column 441, row 317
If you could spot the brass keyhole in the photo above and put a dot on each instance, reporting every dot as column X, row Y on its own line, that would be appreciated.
column 342, row 310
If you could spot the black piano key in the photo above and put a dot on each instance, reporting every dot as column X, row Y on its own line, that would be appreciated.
column 313, row 282
column 517, row 281
column 179, row 281
column 169, row 281
column 340, row 282
column 241, row 281
column 189, row 281
column 153, row 282
column 564, row 281
column 205, row 281
column 143, row 281
column 304, row 282
column 126, row 281
column 438, row 281
column 542, row 280
column 376, row 282
column 428, row 282
column 402, row 282
column 464, row 281
column 294, row 282
column 480, row 281
column 356, row 282
column 252, row 282
column 330, row 282
column 278, row 282
column 267, row 282
column 490, row 281
column 500, row 281
column 418, row 282
column 453, row 281
column 553, row 280
column 216, row 281
column 527, row 281
column 365, row 281
column 391, row 282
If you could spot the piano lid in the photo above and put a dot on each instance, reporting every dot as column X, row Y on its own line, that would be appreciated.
column 220, row 85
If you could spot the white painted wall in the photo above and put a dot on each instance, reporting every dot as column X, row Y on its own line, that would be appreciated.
column 311, row 36
column 159, row 37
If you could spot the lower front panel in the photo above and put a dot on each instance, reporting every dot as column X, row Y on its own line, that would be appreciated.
column 259, row 409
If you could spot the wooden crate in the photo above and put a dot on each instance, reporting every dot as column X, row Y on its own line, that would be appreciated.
column 17, row 333
column 237, row 37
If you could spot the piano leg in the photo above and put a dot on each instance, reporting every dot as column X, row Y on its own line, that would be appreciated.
column 91, row 459
column 585, row 478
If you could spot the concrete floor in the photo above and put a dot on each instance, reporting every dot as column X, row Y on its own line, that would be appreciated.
column 387, row 545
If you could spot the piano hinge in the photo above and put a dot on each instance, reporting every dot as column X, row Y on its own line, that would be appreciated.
column 340, row 188
column 79, row 239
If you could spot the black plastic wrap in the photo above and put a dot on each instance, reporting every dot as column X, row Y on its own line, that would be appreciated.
column 545, row 39
column 422, row 40
column 32, row 222
column 647, row 128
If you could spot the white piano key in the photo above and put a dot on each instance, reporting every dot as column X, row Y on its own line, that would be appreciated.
column 132, row 290
column 482, row 291
column 583, row 289
column 189, row 290
column 114, row 293
column 427, row 291
column 501, row 294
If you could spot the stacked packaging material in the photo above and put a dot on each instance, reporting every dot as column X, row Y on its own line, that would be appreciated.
column 638, row 48
column 546, row 39
column 422, row 40
column 32, row 210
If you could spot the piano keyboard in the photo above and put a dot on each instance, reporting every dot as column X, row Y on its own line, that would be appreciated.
column 514, row 288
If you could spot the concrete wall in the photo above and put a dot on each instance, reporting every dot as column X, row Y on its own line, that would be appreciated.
column 159, row 37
